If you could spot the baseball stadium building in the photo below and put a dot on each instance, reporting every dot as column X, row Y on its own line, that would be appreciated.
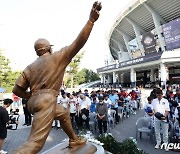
column 144, row 44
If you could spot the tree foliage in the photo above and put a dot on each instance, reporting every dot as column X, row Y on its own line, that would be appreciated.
column 74, row 77
column 85, row 76
column 7, row 76
column 72, row 69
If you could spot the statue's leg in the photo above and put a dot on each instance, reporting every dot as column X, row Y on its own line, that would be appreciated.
column 43, row 107
column 63, row 116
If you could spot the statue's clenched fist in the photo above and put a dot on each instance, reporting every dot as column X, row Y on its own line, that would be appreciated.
column 94, row 15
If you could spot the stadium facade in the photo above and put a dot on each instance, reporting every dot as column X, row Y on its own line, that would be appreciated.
column 144, row 45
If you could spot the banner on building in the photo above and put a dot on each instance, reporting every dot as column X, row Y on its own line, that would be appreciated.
column 171, row 31
column 149, row 42
column 134, row 47
column 140, row 60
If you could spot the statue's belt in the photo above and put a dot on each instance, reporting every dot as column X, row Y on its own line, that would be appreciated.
column 42, row 91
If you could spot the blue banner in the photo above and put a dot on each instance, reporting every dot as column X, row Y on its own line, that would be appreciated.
column 140, row 60
column 171, row 31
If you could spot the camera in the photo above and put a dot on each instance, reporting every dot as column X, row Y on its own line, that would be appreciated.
column 13, row 119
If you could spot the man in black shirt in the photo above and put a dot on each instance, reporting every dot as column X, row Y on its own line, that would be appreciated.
column 4, row 118
column 27, row 114
column 102, row 111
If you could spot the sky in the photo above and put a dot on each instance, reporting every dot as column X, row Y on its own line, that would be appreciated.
column 22, row 22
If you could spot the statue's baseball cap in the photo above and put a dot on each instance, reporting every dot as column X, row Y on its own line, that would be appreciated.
column 41, row 43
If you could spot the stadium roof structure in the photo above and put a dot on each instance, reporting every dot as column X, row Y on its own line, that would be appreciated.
column 140, row 15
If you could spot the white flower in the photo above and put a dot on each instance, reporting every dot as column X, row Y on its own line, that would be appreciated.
column 90, row 140
column 101, row 144
column 131, row 138
column 110, row 134
column 105, row 134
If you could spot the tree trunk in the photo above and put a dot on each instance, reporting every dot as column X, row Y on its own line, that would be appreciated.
column 72, row 81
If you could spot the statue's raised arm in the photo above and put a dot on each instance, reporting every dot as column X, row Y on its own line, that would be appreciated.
column 83, row 36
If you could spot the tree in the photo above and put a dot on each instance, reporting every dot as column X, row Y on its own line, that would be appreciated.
column 85, row 76
column 7, row 77
column 80, row 77
column 72, row 69
column 92, row 76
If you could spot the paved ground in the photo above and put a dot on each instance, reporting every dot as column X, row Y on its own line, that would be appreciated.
column 121, row 131
column 127, row 129
column 18, row 137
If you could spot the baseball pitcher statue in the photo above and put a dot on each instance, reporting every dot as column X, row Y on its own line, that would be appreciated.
column 43, row 77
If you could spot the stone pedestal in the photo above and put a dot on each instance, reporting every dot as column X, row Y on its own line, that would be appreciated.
column 63, row 148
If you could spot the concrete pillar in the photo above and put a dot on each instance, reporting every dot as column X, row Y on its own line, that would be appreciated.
column 157, row 18
column 101, row 76
column 114, row 79
column 102, row 80
column 137, row 30
column 126, row 38
column 121, row 53
column 163, row 75
column 122, row 78
column 109, row 79
column 118, row 77
column 133, row 77
column 119, row 56
column 152, row 75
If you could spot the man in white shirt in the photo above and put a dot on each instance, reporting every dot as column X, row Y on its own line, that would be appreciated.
column 64, row 100
column 161, row 105
column 72, row 106
column 84, row 104
column 107, row 101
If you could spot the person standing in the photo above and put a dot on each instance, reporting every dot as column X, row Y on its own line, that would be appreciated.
column 44, row 77
column 102, row 111
column 93, row 105
column 149, row 112
column 4, row 118
column 72, row 106
column 16, row 102
column 64, row 100
column 114, row 103
column 27, row 114
column 161, row 110
column 84, row 104
column 107, row 100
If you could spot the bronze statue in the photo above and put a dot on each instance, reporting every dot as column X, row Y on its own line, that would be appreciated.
column 44, row 77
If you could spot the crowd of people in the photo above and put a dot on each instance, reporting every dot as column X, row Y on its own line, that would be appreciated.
column 100, row 103
column 161, row 109
column 164, row 113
